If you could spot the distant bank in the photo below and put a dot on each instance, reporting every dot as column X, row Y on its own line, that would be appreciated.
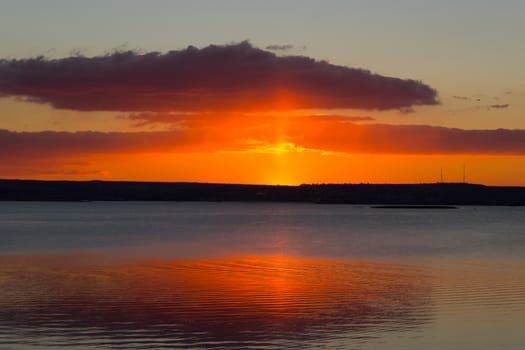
column 413, row 194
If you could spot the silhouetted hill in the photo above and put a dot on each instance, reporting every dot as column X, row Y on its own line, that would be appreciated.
column 416, row 194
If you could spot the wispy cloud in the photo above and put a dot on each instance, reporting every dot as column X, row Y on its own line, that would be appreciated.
column 277, row 47
column 462, row 98
column 499, row 106
column 181, row 119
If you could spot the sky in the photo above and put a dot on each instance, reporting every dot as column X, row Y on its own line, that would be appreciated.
column 267, row 92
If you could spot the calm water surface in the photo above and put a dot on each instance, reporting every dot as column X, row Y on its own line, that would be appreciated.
column 132, row 275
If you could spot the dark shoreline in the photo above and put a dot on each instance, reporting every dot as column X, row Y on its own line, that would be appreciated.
column 373, row 194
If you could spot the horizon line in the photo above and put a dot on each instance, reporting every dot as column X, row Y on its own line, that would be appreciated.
column 258, row 184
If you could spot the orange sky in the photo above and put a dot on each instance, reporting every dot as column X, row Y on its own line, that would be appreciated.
column 238, row 114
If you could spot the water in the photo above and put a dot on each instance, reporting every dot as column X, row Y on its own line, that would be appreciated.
column 132, row 275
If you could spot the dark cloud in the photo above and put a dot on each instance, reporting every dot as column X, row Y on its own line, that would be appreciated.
column 285, row 47
column 230, row 77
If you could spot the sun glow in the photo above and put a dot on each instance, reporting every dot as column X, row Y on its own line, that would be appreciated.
column 273, row 148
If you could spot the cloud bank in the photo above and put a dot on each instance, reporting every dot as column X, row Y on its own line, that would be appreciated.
column 214, row 78
column 334, row 134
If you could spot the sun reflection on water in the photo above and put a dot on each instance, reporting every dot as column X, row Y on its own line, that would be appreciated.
column 212, row 303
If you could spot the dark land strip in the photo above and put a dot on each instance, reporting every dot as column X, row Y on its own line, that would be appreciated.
column 436, row 194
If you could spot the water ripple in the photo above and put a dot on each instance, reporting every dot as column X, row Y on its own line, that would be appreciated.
column 245, row 302
column 248, row 302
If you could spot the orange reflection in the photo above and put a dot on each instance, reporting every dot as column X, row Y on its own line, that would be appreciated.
column 233, row 299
